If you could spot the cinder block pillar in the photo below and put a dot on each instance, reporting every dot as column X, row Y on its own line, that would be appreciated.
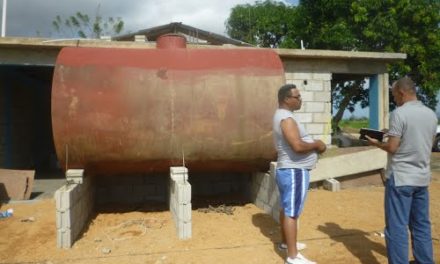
column 180, row 201
column 74, row 205
column 265, row 194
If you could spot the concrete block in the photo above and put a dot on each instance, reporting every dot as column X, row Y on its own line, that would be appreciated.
column 266, row 180
column 327, row 107
column 314, row 107
column 304, row 117
column 332, row 185
column 76, row 230
column 307, row 96
column 322, row 118
column 302, row 76
column 179, row 171
column 315, row 128
column 59, row 215
column 322, row 96
column 267, row 208
column 63, row 196
column 64, row 219
column 184, row 230
column 75, row 175
column 183, row 212
column 179, row 177
column 288, row 75
column 180, row 201
column 322, row 76
column 327, row 86
column 272, row 170
column 74, row 204
column 183, row 193
column 263, row 194
column 314, row 85
column 259, row 203
column 274, row 198
column 272, row 189
column 64, row 238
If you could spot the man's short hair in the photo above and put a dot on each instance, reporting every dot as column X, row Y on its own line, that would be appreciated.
column 284, row 91
column 405, row 84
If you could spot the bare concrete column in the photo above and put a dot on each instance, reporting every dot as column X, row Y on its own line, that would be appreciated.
column 384, row 106
column 74, row 205
column 180, row 201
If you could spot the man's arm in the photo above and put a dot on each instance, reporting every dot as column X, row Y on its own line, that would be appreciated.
column 291, row 133
column 390, row 146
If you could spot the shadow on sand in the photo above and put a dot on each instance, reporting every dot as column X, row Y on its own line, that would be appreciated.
column 270, row 229
column 356, row 241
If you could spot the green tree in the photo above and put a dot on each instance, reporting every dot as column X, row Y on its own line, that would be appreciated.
column 407, row 26
column 264, row 24
column 81, row 25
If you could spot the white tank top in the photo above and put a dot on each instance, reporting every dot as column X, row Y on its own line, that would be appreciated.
column 287, row 158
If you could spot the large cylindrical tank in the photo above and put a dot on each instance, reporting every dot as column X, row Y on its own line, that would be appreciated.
column 141, row 110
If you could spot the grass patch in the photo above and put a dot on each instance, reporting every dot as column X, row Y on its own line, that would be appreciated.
column 353, row 125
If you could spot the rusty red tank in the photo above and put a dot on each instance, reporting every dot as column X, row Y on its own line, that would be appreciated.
column 144, row 110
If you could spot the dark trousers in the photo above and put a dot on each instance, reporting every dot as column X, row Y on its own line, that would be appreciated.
column 407, row 207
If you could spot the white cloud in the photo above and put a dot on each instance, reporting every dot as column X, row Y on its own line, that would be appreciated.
column 26, row 17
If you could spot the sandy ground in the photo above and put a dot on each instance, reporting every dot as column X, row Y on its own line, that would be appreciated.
column 338, row 227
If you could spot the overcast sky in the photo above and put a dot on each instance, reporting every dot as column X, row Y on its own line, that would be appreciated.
column 27, row 17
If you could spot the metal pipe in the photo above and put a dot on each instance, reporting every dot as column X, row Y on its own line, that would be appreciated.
column 4, row 18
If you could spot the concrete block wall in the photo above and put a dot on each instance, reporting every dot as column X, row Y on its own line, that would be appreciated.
column 264, row 192
column 315, row 88
column 74, row 206
column 180, row 201
column 131, row 189
column 220, row 183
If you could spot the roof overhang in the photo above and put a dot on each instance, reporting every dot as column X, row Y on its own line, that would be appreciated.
column 37, row 51
column 339, row 54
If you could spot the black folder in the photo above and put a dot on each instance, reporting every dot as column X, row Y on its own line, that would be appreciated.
column 372, row 133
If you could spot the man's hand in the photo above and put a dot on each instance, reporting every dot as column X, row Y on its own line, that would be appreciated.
column 372, row 141
column 321, row 146
column 389, row 146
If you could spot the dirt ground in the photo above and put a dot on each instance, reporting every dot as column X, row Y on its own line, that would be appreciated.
column 338, row 227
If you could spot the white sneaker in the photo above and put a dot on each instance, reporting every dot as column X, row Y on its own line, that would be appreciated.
column 299, row 246
column 299, row 259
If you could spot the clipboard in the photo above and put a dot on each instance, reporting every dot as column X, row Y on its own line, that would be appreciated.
column 373, row 133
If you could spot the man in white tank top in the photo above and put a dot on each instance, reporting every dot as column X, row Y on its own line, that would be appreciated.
column 297, row 155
